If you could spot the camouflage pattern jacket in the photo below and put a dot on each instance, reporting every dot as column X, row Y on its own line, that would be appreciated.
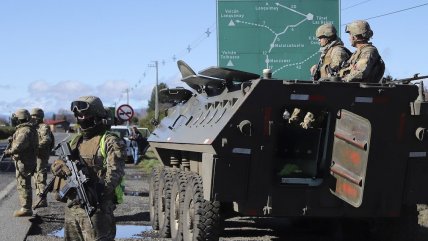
column 105, row 172
column 332, row 57
column 45, row 140
column 365, row 65
column 24, row 145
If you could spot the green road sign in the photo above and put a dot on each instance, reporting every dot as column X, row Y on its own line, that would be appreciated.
column 279, row 35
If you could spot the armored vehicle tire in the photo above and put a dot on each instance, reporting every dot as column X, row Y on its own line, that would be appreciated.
column 176, row 207
column 200, row 218
column 153, row 196
column 164, row 201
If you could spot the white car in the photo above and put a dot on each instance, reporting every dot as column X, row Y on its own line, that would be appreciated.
column 124, row 132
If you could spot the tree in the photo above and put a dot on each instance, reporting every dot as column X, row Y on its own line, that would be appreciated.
column 134, row 120
column 162, row 98
column 147, row 120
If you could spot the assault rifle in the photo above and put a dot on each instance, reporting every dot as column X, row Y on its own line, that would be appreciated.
column 44, row 194
column 408, row 80
column 76, row 181
column 317, row 74
column 7, row 147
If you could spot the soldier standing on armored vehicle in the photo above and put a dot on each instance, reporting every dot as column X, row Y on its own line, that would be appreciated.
column 333, row 53
column 103, row 155
column 46, row 143
column 365, row 64
column 24, row 152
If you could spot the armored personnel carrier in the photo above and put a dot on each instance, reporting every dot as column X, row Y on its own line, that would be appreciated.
column 260, row 146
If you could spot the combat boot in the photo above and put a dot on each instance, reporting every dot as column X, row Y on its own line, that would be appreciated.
column 42, row 203
column 23, row 213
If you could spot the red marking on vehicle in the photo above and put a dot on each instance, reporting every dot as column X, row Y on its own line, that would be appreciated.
column 251, row 212
column 317, row 98
column 380, row 100
column 401, row 127
column 354, row 157
column 349, row 190
column 266, row 118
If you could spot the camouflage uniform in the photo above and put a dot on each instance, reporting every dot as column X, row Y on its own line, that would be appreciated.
column 332, row 57
column 104, row 173
column 365, row 64
column 24, row 151
column 108, row 176
column 333, row 52
column 44, row 149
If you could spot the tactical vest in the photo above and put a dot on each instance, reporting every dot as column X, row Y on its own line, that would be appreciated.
column 325, row 69
column 89, row 153
column 375, row 74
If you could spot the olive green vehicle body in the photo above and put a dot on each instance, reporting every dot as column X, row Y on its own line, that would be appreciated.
column 363, row 157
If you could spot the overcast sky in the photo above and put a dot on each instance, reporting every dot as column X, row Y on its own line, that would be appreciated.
column 53, row 51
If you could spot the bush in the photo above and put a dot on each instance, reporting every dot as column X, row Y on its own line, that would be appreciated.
column 149, row 162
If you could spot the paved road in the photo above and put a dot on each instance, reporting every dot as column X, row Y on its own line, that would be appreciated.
column 133, row 219
column 132, row 216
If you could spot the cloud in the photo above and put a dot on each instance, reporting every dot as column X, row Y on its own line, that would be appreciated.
column 63, row 90
column 54, row 97
column 110, row 90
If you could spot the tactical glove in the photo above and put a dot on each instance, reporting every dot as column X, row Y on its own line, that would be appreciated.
column 60, row 169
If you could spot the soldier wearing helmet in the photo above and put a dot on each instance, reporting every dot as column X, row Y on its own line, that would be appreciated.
column 104, row 155
column 365, row 64
column 46, row 143
column 23, row 150
column 333, row 53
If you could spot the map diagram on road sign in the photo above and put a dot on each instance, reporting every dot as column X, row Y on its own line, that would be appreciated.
column 279, row 35
column 125, row 112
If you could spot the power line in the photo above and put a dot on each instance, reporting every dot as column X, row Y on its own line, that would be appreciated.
column 355, row 5
column 398, row 11
column 394, row 12
column 188, row 50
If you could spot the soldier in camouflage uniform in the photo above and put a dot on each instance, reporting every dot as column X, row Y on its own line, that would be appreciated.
column 44, row 149
column 333, row 53
column 94, row 142
column 24, row 152
column 365, row 64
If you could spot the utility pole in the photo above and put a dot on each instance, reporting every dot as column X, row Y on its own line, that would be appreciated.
column 156, row 92
column 127, row 96
column 127, row 102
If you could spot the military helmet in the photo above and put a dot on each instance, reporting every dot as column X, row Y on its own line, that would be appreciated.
column 37, row 112
column 359, row 27
column 326, row 30
column 89, row 105
column 22, row 114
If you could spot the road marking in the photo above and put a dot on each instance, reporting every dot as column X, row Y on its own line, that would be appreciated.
column 7, row 189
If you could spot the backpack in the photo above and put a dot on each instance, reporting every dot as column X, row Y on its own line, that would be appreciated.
column 378, row 70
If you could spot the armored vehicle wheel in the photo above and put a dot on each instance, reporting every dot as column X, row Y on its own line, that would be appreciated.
column 200, row 218
column 176, row 207
column 153, row 196
column 164, row 201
